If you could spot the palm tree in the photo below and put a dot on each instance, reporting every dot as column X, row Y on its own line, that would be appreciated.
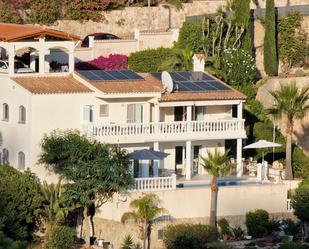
column 216, row 164
column 146, row 210
column 54, row 210
column 180, row 61
column 291, row 104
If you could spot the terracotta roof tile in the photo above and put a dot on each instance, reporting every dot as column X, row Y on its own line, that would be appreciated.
column 149, row 85
column 51, row 84
column 16, row 32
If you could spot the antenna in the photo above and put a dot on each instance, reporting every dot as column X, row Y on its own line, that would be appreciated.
column 167, row 81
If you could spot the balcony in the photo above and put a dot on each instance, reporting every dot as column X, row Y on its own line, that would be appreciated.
column 166, row 131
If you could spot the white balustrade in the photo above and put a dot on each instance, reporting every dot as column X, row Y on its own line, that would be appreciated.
column 289, row 205
column 155, row 183
column 163, row 128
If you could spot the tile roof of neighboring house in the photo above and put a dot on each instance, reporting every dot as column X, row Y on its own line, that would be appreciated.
column 149, row 85
column 51, row 84
column 17, row 32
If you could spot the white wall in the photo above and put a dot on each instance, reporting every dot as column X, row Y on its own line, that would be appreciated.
column 16, row 137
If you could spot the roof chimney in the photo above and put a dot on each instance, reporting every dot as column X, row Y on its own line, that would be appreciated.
column 198, row 62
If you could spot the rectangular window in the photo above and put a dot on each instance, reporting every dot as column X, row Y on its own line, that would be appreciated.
column 135, row 113
column 88, row 113
column 104, row 110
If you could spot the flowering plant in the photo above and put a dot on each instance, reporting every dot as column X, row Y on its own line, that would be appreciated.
column 238, row 66
column 112, row 62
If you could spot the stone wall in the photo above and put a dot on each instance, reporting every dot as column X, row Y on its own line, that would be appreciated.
column 122, row 22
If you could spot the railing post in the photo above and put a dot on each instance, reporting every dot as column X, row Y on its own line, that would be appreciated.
column 173, row 181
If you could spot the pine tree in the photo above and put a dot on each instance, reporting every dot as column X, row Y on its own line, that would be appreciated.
column 270, row 52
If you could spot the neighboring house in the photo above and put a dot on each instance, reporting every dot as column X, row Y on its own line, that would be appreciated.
column 127, row 109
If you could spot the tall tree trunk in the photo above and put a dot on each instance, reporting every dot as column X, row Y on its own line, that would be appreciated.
column 213, row 201
column 148, row 235
column 145, row 235
column 288, row 151
column 86, row 227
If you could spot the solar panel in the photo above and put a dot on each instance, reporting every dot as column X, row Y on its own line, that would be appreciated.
column 117, row 75
column 194, row 82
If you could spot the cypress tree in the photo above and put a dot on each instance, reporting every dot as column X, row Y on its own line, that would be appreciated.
column 270, row 51
column 242, row 15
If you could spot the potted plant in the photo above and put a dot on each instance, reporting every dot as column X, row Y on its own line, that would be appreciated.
column 270, row 227
column 290, row 229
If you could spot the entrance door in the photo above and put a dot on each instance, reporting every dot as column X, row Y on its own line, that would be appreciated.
column 178, row 156
column 198, row 113
column 196, row 158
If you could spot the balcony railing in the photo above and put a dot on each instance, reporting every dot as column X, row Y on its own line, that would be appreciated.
column 220, row 129
column 155, row 183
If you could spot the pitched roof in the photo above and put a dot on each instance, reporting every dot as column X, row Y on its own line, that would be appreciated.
column 149, row 85
column 16, row 32
column 51, row 84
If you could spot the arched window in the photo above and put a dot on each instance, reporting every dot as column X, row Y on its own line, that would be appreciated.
column 5, row 112
column 5, row 156
column 22, row 114
column 21, row 160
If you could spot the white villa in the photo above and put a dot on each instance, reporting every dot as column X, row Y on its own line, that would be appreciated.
column 134, row 111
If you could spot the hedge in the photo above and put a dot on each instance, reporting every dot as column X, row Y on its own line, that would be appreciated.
column 61, row 237
column 193, row 236
column 149, row 60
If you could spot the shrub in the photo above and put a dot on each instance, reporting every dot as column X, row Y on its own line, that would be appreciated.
column 112, row 62
column 270, row 51
column 300, row 163
column 61, row 237
column 191, row 37
column 293, row 245
column 238, row 67
column 300, row 201
column 238, row 233
column 43, row 11
column 293, row 47
column 290, row 227
column 127, row 242
column 185, row 236
column 7, row 243
column 255, row 222
column 149, row 60
column 225, row 228
column 20, row 199
column 220, row 245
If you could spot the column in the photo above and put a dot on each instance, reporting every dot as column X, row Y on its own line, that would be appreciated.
column 71, row 61
column 156, row 163
column 32, row 60
column 41, row 62
column 239, row 157
column 156, row 118
column 188, row 160
column 189, row 118
column 239, row 110
column 11, row 63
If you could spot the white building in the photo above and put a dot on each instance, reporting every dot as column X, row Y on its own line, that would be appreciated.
column 133, row 114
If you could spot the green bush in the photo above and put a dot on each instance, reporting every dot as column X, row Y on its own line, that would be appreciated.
column 149, row 60
column 191, row 236
column 225, row 229
column 293, row 245
column 7, row 243
column 238, row 67
column 290, row 227
column 256, row 221
column 220, row 245
column 300, row 201
column 20, row 200
column 191, row 37
column 300, row 163
column 61, row 237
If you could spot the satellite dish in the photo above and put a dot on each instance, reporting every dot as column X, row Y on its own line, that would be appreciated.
column 167, row 81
